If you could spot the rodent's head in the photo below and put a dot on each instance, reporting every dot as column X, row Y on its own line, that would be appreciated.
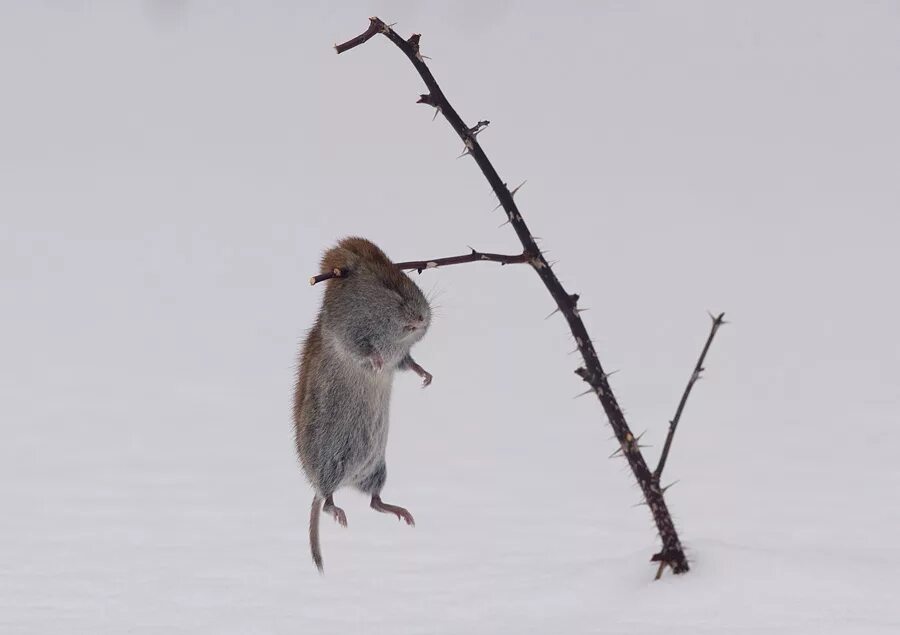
column 375, row 304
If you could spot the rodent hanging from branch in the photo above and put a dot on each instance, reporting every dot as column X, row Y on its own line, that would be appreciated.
column 372, row 314
column 672, row 553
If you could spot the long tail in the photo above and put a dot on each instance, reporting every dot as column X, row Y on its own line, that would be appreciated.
column 314, row 514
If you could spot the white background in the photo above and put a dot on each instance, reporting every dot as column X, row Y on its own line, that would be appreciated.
column 170, row 173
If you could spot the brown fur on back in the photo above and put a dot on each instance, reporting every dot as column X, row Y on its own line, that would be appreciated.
column 312, row 347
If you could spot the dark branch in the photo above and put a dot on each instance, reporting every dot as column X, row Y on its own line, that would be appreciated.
column 334, row 273
column 475, row 256
column 422, row 265
column 375, row 26
column 718, row 321
column 672, row 553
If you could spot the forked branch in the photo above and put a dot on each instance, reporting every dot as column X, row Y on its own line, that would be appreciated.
column 671, row 554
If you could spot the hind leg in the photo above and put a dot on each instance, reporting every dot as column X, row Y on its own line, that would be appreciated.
column 330, row 475
column 401, row 512
column 372, row 484
column 335, row 511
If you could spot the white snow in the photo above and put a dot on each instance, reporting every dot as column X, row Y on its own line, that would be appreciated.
column 171, row 171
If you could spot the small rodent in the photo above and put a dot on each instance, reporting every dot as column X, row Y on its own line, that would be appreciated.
column 369, row 319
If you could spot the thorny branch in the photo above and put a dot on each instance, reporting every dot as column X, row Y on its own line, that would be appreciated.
column 422, row 265
column 717, row 321
column 474, row 256
column 672, row 553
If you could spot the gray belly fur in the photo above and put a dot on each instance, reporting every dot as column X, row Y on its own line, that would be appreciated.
column 345, row 423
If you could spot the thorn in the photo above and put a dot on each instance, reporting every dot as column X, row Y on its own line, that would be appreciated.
column 428, row 100
column 663, row 489
column 587, row 308
column 506, row 222
column 497, row 206
column 518, row 187
column 554, row 312
column 642, row 503
column 615, row 454
column 478, row 127
column 718, row 320
column 413, row 41
column 573, row 351
column 465, row 152
column 582, row 394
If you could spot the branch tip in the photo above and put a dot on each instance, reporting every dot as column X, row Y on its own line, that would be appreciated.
column 334, row 273
column 376, row 26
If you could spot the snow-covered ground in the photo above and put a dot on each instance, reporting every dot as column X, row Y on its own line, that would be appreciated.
column 170, row 174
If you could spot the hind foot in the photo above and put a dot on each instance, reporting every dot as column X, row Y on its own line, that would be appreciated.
column 335, row 511
column 400, row 512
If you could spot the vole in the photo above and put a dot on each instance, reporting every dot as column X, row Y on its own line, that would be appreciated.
column 369, row 320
